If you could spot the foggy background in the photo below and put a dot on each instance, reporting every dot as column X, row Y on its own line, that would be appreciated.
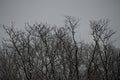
column 53, row 12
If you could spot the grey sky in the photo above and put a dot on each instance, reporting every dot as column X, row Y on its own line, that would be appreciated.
column 52, row 12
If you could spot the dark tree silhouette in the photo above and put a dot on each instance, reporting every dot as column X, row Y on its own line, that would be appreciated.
column 44, row 52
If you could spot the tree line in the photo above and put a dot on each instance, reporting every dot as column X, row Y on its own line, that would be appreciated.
column 43, row 52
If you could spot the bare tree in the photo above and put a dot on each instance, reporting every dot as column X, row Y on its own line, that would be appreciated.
column 101, row 35
column 71, row 23
column 43, row 52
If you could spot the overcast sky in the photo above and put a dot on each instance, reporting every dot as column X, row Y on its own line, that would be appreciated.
column 53, row 12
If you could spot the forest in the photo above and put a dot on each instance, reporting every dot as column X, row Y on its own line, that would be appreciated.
column 44, row 52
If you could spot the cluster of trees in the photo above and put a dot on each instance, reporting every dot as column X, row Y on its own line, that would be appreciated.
column 42, row 52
